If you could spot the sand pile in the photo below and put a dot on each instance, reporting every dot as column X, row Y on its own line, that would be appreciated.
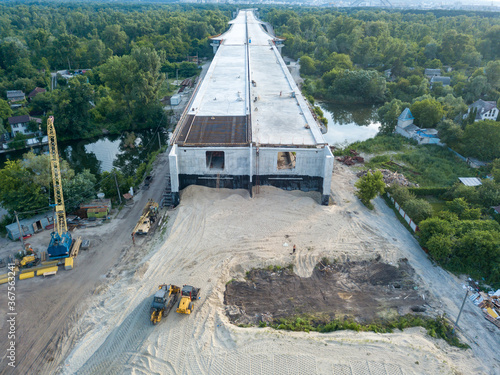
column 214, row 236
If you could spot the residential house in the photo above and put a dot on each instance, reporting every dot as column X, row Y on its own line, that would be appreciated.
column 19, row 124
column 484, row 110
column 35, row 92
column 446, row 81
column 432, row 72
column 15, row 95
column 408, row 129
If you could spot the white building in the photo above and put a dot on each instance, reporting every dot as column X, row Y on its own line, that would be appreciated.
column 408, row 129
column 484, row 110
column 247, row 123
column 19, row 124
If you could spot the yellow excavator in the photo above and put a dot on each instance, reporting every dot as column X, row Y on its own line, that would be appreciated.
column 163, row 301
column 189, row 294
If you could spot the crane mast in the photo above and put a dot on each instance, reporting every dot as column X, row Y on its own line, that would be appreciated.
column 60, row 243
column 61, row 225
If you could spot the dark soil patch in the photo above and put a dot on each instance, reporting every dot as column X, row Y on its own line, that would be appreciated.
column 364, row 292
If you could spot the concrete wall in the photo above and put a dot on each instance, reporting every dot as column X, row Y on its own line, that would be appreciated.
column 192, row 161
column 312, row 171
column 237, row 161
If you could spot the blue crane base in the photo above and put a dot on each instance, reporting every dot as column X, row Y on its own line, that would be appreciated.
column 60, row 246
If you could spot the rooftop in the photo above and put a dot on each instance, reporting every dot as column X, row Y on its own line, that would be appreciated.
column 248, row 95
column 470, row 181
column 406, row 115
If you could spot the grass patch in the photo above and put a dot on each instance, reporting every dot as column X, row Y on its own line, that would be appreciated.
column 378, row 144
column 436, row 327
column 427, row 165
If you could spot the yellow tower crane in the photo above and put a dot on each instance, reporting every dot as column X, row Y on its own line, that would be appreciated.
column 60, row 243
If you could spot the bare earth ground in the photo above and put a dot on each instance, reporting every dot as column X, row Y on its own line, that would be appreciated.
column 366, row 292
column 48, row 308
column 212, row 237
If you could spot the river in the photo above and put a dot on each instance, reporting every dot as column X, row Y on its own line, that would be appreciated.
column 124, row 152
column 346, row 124
column 349, row 123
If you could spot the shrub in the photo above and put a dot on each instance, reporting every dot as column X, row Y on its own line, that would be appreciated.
column 369, row 187
column 418, row 209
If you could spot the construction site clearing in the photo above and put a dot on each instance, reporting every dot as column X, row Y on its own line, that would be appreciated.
column 38, row 264
column 365, row 292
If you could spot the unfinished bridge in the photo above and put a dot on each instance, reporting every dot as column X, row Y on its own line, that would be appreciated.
column 247, row 123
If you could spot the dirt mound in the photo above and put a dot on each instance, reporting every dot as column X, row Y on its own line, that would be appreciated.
column 365, row 291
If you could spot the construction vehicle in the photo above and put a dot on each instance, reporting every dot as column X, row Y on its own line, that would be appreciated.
column 60, row 243
column 29, row 261
column 163, row 301
column 148, row 217
column 189, row 294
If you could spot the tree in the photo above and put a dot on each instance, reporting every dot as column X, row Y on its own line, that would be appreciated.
column 427, row 112
column 135, row 81
column 79, row 189
column 482, row 139
column 39, row 167
column 369, row 186
column 401, row 194
column 42, row 103
column 115, row 38
column 495, row 170
column 492, row 71
column 5, row 110
column 388, row 115
column 338, row 61
column 358, row 85
column 450, row 133
column 72, row 107
column 489, row 193
column 462, row 209
column 453, row 106
column 440, row 247
column 307, row 65
column 479, row 251
column 18, row 191
column 434, row 226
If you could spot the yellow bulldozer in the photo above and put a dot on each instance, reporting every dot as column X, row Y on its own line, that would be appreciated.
column 163, row 301
column 189, row 294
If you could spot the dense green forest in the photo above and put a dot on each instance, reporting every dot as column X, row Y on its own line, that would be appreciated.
column 342, row 52
column 126, row 51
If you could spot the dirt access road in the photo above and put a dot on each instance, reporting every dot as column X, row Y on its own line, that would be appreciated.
column 48, row 308
column 217, row 235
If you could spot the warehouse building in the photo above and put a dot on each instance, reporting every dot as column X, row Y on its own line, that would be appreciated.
column 247, row 123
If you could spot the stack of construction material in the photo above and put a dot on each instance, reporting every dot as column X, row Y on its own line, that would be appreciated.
column 490, row 304
column 391, row 177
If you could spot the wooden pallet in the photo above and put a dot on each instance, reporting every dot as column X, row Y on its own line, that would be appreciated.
column 76, row 247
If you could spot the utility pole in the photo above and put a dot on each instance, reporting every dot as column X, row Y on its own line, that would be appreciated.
column 177, row 75
column 461, row 308
column 159, row 140
column 168, row 84
column 117, row 189
column 20, row 230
